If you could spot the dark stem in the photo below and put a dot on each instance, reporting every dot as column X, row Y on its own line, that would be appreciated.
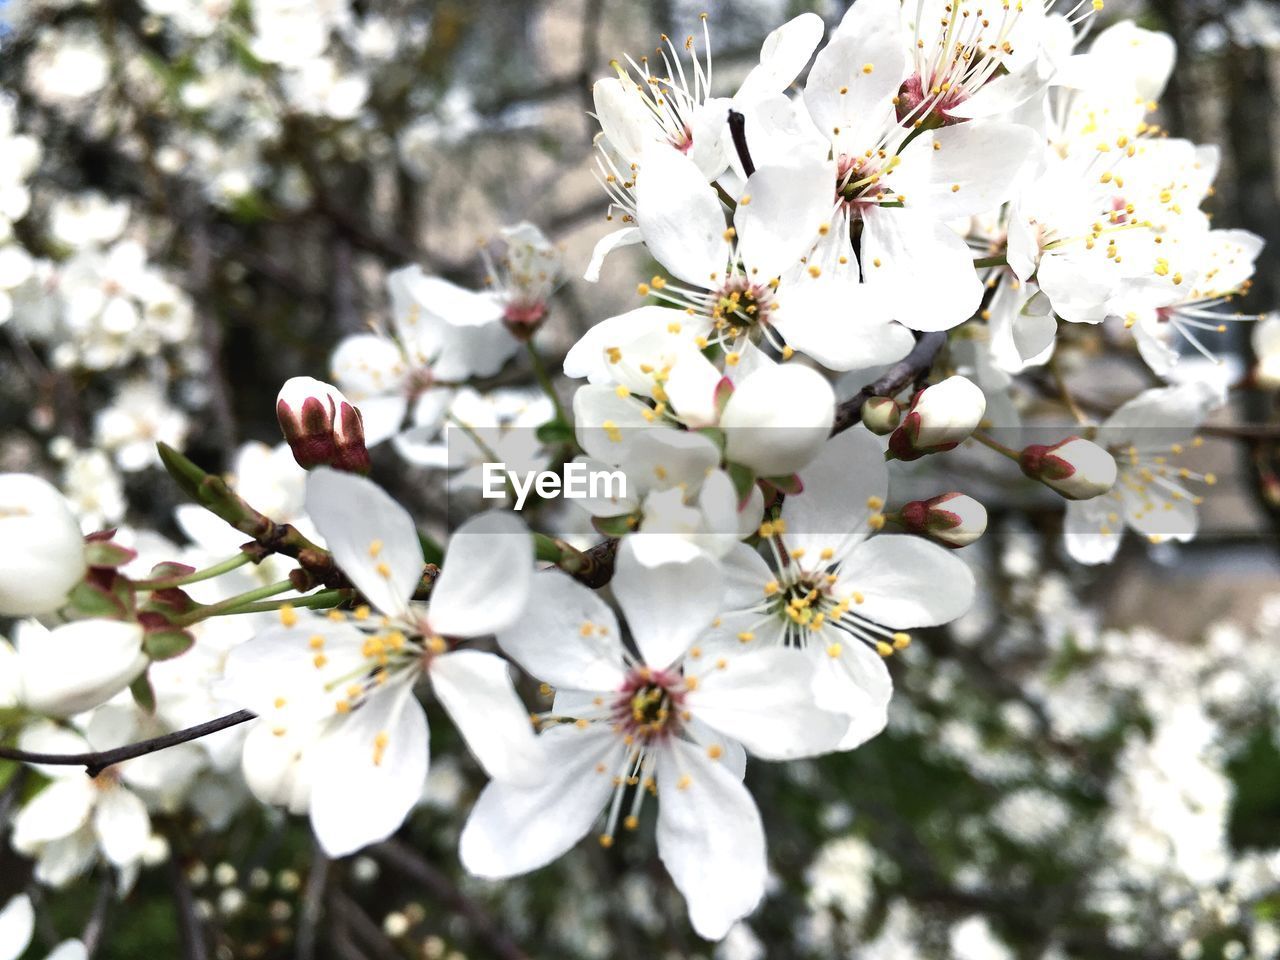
column 190, row 930
column 95, row 763
column 910, row 369
column 738, row 130
column 313, row 904
column 403, row 859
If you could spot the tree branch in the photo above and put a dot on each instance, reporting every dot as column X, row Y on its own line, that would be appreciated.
column 910, row 369
column 94, row 763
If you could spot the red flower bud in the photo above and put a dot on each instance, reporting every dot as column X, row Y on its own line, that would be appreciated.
column 323, row 428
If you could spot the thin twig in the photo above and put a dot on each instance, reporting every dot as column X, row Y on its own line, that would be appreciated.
column 96, row 925
column 94, row 763
column 190, row 930
column 366, row 931
column 402, row 858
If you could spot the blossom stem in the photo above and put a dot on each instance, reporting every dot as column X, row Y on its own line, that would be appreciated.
column 208, row 573
column 544, row 381
column 322, row 600
column 999, row 260
column 94, row 763
column 989, row 441
column 1060, row 381
column 232, row 604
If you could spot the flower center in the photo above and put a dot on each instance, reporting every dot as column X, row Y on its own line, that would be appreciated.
column 862, row 180
column 647, row 708
column 742, row 304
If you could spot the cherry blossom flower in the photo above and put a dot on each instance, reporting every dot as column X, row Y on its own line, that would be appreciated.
column 1152, row 495
column 842, row 596
column 671, row 722
column 341, row 733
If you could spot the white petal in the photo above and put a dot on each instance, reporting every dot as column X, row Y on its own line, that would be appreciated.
column 907, row 581
column 680, row 217
column 567, row 636
column 69, row 950
column 778, row 419
column 610, row 242
column 1083, row 531
column 79, row 665
column 841, row 323
column 57, row 811
column 367, row 365
column 17, row 923
column 855, row 683
column 863, row 110
column 984, row 158
column 373, row 539
column 514, row 829
column 764, row 700
column 123, row 827
column 783, row 56
column 927, row 267
column 789, row 204
column 709, row 837
column 476, row 689
column 625, row 122
column 361, row 793
column 666, row 605
column 840, row 486
column 484, row 583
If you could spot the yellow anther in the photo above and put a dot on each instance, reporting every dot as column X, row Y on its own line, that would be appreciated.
column 631, row 822
column 384, row 570
column 606, row 841
column 827, row 553
column 815, row 270
column 642, row 289
column 746, row 636
column 622, row 391
column 771, row 588
column 319, row 660
column 684, row 782
column 316, row 641
column 288, row 616
column 835, row 650
column 375, row 548
column 901, row 641
column 361, row 612
column 280, row 702
column 884, row 649
column 715, row 751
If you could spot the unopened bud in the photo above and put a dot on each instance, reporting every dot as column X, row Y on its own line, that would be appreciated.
column 44, row 553
column 939, row 418
column 882, row 415
column 953, row 519
column 523, row 320
column 1076, row 468
column 323, row 428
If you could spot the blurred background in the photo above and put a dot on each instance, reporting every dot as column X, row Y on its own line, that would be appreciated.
column 204, row 196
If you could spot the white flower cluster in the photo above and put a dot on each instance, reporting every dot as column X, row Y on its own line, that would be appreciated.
column 851, row 275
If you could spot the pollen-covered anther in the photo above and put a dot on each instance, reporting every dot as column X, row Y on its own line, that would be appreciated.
column 288, row 616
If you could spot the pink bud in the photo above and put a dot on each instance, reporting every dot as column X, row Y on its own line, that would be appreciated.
column 881, row 415
column 1076, row 468
column 323, row 428
column 953, row 519
column 939, row 418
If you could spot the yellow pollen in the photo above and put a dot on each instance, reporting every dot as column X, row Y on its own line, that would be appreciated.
column 375, row 548
column 834, row 650
column 883, row 648
column 288, row 616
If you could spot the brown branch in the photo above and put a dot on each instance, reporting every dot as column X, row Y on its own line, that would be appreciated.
column 403, row 859
column 97, row 761
column 912, row 368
